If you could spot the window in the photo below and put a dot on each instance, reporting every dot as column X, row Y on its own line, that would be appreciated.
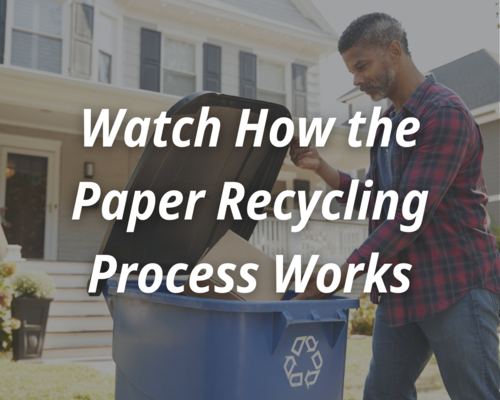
column 104, row 67
column 36, row 35
column 271, row 82
column 303, row 186
column 299, row 86
column 179, row 76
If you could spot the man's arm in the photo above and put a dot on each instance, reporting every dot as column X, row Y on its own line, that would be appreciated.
column 441, row 149
column 434, row 164
column 309, row 158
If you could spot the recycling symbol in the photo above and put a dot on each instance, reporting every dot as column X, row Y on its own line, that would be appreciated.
column 297, row 378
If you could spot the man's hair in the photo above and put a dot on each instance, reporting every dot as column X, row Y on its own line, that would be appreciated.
column 373, row 30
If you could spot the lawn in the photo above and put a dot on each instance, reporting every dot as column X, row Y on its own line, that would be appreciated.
column 28, row 381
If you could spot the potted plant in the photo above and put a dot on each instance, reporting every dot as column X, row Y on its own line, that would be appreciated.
column 34, row 291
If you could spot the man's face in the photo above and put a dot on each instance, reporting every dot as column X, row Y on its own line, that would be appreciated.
column 372, row 71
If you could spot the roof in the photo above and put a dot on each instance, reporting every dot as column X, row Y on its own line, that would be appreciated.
column 287, row 11
column 474, row 77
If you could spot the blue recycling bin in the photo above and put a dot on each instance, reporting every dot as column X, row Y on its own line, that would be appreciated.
column 169, row 346
column 172, row 347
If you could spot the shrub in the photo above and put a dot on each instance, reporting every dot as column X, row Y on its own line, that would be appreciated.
column 7, row 323
column 361, row 321
column 33, row 284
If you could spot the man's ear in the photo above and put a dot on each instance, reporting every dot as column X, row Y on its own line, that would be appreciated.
column 395, row 52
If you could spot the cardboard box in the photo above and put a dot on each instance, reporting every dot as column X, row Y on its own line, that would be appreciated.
column 233, row 249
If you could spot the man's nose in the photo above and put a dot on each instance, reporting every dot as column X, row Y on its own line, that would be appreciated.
column 358, row 80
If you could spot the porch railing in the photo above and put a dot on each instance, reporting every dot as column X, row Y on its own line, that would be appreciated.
column 333, row 241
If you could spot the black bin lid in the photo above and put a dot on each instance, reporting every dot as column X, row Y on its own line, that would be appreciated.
column 160, row 170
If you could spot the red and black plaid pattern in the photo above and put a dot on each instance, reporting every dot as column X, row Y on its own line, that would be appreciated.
column 453, row 251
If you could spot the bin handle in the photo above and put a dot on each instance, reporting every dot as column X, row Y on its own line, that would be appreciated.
column 282, row 320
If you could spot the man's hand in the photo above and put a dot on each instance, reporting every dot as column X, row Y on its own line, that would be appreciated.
column 304, row 157
column 312, row 292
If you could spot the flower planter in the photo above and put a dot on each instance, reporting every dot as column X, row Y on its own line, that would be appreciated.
column 28, row 339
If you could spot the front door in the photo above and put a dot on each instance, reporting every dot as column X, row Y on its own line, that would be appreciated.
column 26, row 202
column 29, row 180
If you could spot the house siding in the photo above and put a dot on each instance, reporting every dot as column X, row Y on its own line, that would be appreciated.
column 80, row 240
column 491, row 166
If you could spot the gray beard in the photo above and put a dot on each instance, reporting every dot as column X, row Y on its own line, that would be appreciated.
column 384, row 80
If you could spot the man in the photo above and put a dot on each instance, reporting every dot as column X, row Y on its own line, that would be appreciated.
column 452, row 305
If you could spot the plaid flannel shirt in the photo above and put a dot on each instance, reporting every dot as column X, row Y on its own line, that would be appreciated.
column 453, row 251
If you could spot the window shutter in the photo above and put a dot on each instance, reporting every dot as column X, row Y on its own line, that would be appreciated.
column 211, row 67
column 248, row 75
column 3, row 15
column 150, row 59
column 299, row 76
column 81, row 46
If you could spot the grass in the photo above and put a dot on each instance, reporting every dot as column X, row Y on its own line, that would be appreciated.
column 359, row 352
column 29, row 381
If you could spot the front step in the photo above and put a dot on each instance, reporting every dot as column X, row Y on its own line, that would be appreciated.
column 75, row 294
column 80, row 324
column 69, row 280
column 57, row 267
column 76, row 352
column 78, row 308
column 57, row 340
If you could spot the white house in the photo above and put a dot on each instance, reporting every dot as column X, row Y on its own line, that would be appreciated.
column 59, row 57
